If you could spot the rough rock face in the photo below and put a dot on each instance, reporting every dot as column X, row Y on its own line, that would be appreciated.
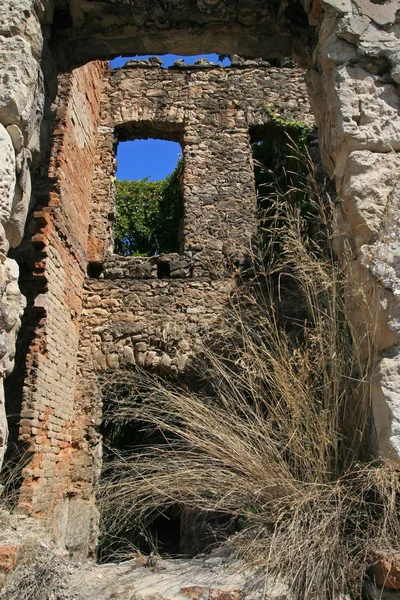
column 21, row 109
column 353, row 90
column 12, row 303
column 14, row 200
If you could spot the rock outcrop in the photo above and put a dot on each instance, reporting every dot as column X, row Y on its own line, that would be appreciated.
column 353, row 87
column 22, row 97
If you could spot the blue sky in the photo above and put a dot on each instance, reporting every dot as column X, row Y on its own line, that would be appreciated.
column 154, row 159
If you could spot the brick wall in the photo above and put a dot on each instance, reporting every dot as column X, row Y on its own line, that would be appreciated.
column 51, row 425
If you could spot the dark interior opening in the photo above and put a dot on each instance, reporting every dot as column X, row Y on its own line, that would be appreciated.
column 94, row 270
column 163, row 270
column 174, row 531
column 162, row 532
column 62, row 19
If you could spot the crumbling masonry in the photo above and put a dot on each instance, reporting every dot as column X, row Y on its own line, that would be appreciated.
column 57, row 147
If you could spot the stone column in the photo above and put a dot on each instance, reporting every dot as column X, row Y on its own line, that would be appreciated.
column 353, row 87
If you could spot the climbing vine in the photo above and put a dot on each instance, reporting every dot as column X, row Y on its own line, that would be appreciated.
column 299, row 131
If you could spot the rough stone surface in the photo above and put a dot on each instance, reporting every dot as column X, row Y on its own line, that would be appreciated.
column 18, row 17
column 250, row 28
column 20, row 72
column 353, row 82
column 386, row 407
column 386, row 570
column 210, row 112
column 353, row 90
column 8, row 557
column 196, row 579
column 16, row 225
column 7, row 182
column 370, row 200
column 12, row 304
column 21, row 110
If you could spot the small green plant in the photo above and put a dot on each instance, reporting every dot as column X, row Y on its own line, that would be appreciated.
column 298, row 131
column 148, row 215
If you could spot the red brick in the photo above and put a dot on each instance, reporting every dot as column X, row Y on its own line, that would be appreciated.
column 8, row 557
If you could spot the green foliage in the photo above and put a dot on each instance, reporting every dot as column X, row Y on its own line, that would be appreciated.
column 282, row 168
column 298, row 130
column 281, row 160
column 148, row 215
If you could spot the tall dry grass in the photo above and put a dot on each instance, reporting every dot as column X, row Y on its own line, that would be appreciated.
column 272, row 425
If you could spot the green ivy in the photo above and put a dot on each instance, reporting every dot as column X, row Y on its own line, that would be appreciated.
column 297, row 130
column 148, row 215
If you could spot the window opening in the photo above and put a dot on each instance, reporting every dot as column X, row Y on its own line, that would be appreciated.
column 281, row 163
column 149, row 205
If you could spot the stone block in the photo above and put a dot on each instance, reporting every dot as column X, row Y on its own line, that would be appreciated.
column 8, row 180
column 20, row 73
column 386, row 570
column 18, row 17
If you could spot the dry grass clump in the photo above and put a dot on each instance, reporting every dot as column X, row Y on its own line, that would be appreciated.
column 270, row 427
column 10, row 477
column 40, row 574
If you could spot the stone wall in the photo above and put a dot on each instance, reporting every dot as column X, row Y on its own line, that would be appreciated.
column 149, row 311
column 210, row 111
column 248, row 27
column 152, row 312
column 354, row 90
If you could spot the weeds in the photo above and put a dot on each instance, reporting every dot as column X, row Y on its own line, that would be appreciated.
column 10, row 477
column 271, row 426
column 39, row 575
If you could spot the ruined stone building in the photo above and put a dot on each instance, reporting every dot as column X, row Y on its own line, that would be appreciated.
column 82, row 310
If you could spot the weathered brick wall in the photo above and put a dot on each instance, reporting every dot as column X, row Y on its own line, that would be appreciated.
column 50, row 423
